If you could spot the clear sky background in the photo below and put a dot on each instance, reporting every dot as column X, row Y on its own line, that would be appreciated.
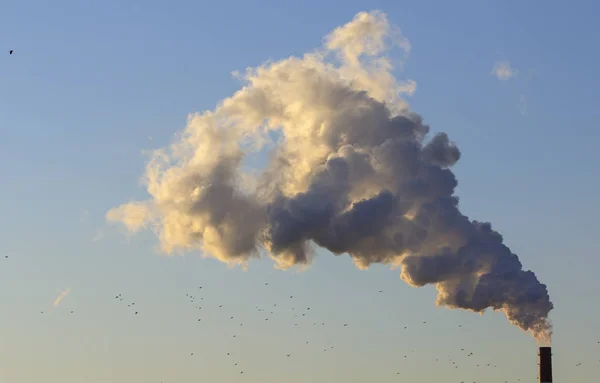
column 93, row 84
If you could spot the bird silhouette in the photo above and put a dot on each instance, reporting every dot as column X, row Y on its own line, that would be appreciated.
column 10, row 52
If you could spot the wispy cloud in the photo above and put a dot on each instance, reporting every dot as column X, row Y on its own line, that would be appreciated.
column 61, row 297
column 84, row 215
column 99, row 235
column 523, row 105
column 504, row 71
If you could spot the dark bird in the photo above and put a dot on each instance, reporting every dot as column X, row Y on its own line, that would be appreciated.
column 10, row 52
column 136, row 313
column 288, row 355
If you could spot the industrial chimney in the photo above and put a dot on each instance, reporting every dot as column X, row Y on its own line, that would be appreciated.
column 545, row 364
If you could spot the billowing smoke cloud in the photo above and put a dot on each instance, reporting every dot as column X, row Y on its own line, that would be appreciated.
column 350, row 171
column 61, row 297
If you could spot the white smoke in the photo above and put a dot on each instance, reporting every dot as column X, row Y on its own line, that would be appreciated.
column 349, row 171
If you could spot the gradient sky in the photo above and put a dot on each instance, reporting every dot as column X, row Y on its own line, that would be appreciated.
column 93, row 84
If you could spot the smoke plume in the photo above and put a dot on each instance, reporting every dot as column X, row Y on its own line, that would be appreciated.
column 61, row 297
column 349, row 170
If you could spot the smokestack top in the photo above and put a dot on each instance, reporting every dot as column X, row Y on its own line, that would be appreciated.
column 546, row 364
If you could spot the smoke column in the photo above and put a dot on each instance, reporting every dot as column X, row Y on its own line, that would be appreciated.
column 349, row 171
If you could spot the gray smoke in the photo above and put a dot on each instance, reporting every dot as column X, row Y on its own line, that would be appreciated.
column 350, row 170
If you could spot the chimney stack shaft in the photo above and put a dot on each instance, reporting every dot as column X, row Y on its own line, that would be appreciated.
column 545, row 365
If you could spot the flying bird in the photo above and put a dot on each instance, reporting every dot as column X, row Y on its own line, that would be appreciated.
column 10, row 52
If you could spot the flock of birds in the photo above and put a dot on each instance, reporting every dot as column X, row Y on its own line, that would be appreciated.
column 301, row 316
column 297, row 315
column 268, row 312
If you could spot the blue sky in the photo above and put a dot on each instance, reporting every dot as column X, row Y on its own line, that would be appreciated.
column 90, row 83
